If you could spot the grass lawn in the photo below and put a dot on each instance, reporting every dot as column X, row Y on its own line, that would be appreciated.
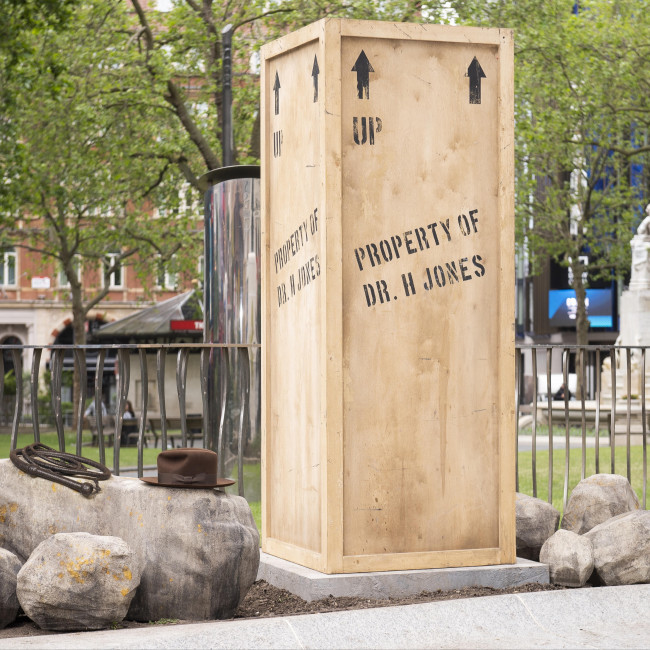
column 560, row 430
column 252, row 478
column 252, row 489
column 256, row 509
column 575, row 467
column 128, row 455
column 129, row 458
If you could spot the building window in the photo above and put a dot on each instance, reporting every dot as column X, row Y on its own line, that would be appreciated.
column 166, row 279
column 8, row 268
column 63, row 281
column 201, row 267
column 187, row 203
column 116, row 278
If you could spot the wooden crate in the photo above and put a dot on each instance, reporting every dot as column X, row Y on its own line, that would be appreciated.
column 388, row 298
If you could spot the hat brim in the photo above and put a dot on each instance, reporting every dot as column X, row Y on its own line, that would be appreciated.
column 221, row 482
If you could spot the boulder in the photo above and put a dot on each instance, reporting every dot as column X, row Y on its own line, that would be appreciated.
column 596, row 499
column 199, row 547
column 9, row 567
column 68, row 571
column 536, row 521
column 622, row 548
column 570, row 558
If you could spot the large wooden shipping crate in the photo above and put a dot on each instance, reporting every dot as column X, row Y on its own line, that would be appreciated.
column 388, row 297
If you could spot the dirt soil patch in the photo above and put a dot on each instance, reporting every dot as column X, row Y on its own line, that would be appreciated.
column 264, row 600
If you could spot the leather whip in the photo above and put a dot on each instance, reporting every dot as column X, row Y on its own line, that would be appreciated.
column 40, row 460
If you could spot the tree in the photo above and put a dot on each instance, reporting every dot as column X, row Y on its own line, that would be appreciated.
column 582, row 119
column 182, row 52
column 20, row 18
column 75, row 189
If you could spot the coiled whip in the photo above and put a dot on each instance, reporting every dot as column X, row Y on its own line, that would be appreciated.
column 38, row 459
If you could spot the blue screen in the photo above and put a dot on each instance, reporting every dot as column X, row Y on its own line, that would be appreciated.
column 562, row 307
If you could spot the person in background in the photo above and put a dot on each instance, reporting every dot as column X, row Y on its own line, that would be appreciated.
column 129, row 425
column 90, row 411
column 560, row 393
column 129, row 413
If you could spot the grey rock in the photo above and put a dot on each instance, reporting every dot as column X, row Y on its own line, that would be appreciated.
column 9, row 567
column 199, row 547
column 536, row 521
column 596, row 499
column 622, row 548
column 78, row 581
column 570, row 558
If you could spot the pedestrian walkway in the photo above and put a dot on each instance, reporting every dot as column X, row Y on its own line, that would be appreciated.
column 606, row 617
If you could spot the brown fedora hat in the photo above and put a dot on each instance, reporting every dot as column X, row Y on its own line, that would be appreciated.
column 187, row 468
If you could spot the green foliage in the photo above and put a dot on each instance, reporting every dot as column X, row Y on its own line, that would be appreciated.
column 575, row 469
column 126, row 101
column 19, row 19
column 10, row 383
column 128, row 455
column 582, row 117
column 77, row 184
column 186, row 44
column 164, row 621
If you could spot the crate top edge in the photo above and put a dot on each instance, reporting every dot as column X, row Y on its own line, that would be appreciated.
column 347, row 27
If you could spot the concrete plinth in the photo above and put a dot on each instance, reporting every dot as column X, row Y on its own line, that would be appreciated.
column 313, row 585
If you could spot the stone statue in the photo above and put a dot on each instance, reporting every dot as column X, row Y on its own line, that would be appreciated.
column 640, row 278
column 644, row 226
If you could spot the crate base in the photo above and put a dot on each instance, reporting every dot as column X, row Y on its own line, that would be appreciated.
column 314, row 585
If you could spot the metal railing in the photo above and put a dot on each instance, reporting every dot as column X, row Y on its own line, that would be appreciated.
column 612, row 415
column 227, row 429
column 601, row 416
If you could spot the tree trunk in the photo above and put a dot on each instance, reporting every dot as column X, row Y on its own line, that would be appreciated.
column 582, row 322
column 79, row 331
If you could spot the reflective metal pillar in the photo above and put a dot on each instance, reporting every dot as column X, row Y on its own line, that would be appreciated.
column 232, row 314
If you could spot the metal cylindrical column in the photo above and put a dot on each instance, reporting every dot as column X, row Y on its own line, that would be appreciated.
column 232, row 311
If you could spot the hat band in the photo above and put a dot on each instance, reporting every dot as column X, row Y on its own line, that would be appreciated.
column 167, row 477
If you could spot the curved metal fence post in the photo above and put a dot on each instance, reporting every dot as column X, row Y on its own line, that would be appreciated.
column 597, row 423
column 534, row 423
column 36, row 365
column 181, row 387
column 82, row 373
column 628, row 419
column 549, row 398
column 206, row 364
column 99, row 375
column 582, row 411
column 2, row 382
column 224, row 371
column 517, row 406
column 18, row 409
column 124, row 366
column 161, row 356
column 644, row 426
column 56, row 373
column 242, row 420
column 144, row 379
column 567, row 445
column 612, row 417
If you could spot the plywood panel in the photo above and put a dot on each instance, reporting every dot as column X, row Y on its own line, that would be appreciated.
column 294, row 270
column 419, row 209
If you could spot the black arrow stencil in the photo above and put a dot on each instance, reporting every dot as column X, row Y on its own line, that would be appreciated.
column 276, row 90
column 314, row 74
column 475, row 74
column 363, row 69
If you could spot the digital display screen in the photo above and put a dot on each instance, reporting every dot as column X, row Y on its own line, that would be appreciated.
column 563, row 307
